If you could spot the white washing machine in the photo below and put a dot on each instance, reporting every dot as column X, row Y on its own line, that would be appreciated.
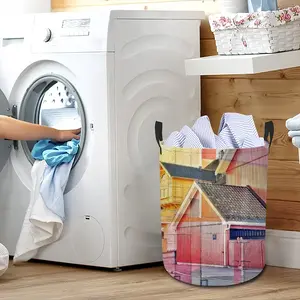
column 115, row 73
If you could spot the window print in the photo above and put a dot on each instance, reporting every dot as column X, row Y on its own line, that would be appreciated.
column 247, row 234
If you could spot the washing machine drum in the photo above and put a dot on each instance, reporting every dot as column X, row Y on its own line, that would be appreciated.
column 52, row 101
column 4, row 259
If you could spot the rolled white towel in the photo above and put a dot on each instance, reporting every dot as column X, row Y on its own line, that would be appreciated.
column 296, row 143
column 293, row 124
column 4, row 259
column 294, row 133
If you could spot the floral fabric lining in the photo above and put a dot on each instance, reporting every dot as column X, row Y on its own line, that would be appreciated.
column 264, row 19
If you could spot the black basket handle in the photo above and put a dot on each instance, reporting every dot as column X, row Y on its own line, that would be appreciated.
column 269, row 132
column 158, row 134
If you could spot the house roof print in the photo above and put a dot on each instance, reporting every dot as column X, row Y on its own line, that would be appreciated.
column 189, row 172
column 235, row 203
column 213, row 165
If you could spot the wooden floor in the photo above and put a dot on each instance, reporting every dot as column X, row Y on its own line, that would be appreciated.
column 47, row 282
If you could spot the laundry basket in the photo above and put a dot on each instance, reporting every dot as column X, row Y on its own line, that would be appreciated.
column 213, row 212
column 258, row 32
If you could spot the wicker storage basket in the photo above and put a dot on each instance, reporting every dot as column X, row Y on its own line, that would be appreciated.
column 257, row 33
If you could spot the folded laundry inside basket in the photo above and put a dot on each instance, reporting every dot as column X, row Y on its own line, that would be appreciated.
column 235, row 131
column 44, row 219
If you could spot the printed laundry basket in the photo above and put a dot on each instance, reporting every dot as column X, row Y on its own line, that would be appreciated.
column 213, row 212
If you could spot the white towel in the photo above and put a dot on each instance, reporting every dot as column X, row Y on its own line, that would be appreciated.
column 294, row 133
column 4, row 259
column 296, row 141
column 293, row 124
column 41, row 226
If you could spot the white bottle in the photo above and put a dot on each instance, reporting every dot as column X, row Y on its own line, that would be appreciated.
column 234, row 6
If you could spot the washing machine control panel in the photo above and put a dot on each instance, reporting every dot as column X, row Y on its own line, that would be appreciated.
column 75, row 27
column 71, row 32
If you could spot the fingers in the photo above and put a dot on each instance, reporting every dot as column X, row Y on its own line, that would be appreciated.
column 76, row 131
column 76, row 137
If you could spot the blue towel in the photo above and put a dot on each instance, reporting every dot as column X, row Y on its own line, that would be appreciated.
column 55, row 153
column 53, row 186
column 59, row 158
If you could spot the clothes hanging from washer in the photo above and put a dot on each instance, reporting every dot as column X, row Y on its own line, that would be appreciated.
column 59, row 158
column 53, row 186
column 55, row 153
column 41, row 226
column 45, row 216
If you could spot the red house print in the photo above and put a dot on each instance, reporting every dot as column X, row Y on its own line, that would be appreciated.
column 219, row 236
column 245, row 167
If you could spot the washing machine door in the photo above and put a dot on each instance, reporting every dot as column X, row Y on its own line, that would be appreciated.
column 5, row 145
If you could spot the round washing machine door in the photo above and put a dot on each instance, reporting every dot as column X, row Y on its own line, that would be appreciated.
column 5, row 145
column 45, row 94
column 53, row 101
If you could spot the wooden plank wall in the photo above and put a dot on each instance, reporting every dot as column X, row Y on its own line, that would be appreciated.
column 269, row 96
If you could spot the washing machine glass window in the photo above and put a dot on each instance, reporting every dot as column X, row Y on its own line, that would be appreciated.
column 53, row 101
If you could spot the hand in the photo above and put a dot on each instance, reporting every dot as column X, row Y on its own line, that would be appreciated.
column 68, row 135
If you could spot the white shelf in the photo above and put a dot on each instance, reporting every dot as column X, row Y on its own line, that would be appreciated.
column 242, row 64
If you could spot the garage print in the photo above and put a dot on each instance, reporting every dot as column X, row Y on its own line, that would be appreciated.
column 213, row 214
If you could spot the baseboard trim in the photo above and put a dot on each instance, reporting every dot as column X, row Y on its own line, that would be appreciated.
column 283, row 249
